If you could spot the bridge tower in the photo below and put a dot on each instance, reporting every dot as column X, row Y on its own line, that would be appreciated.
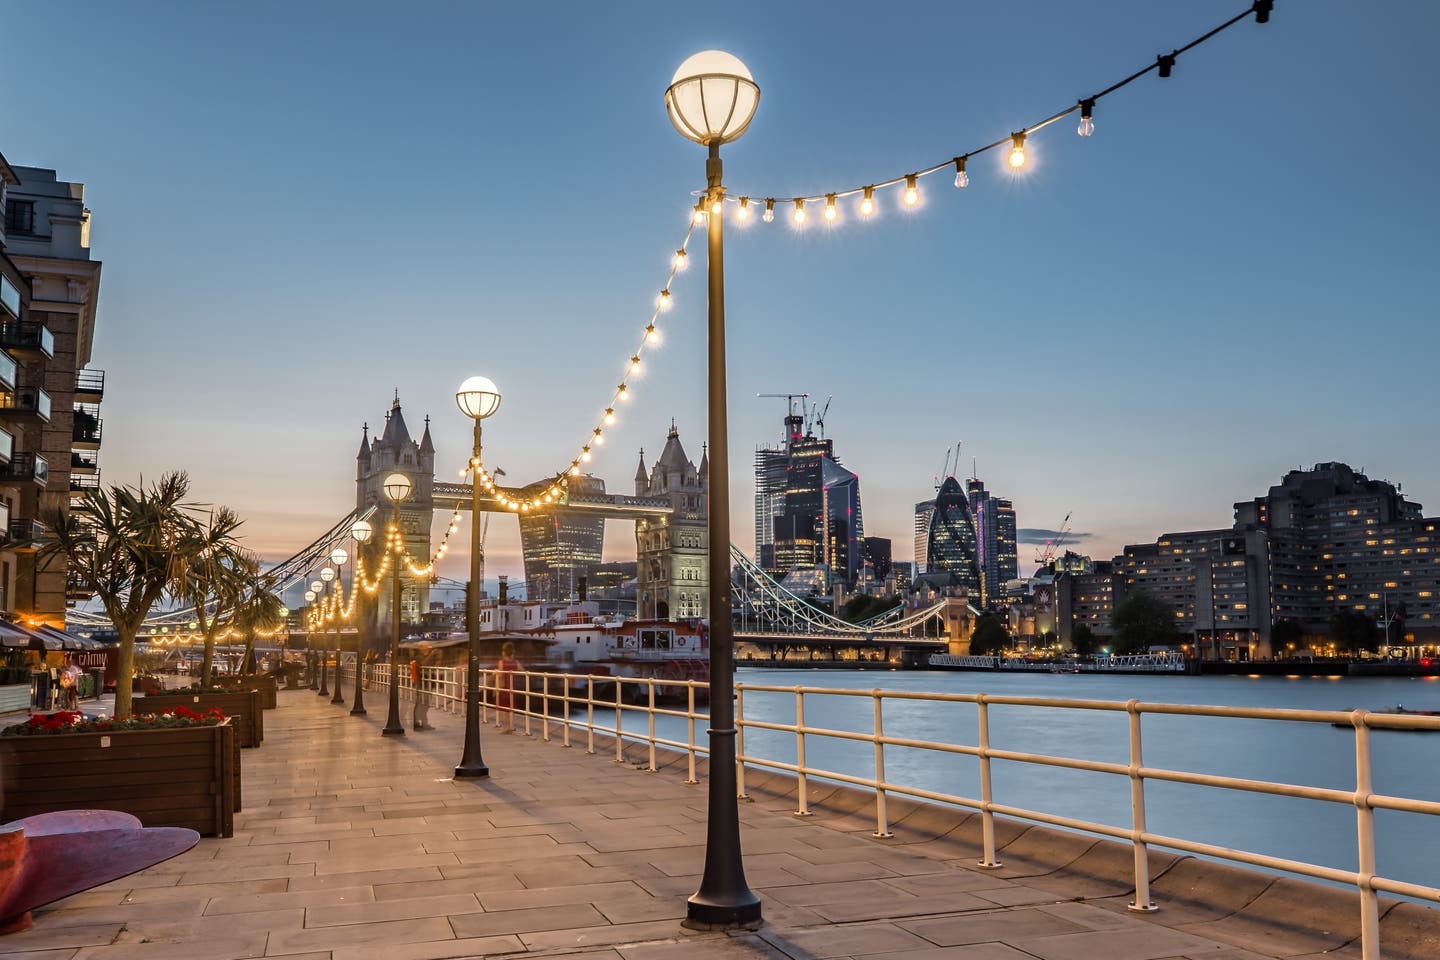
column 394, row 450
column 670, row 551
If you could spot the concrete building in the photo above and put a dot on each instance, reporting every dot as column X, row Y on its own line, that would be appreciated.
column 995, row 548
column 672, row 576
column 51, row 410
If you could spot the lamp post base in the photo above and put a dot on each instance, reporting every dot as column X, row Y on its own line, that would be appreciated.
column 471, row 771
column 392, row 732
column 704, row 913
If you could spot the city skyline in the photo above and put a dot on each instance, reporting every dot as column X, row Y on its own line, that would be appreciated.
column 274, row 225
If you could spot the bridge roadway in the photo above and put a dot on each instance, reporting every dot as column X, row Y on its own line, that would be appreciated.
column 354, row 847
column 613, row 506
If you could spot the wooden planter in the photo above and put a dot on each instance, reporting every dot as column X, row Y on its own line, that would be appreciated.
column 243, row 709
column 185, row 777
column 262, row 682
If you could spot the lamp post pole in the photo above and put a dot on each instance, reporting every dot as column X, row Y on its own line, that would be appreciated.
column 361, row 531
column 324, row 658
column 472, row 764
column 711, row 100
column 477, row 398
column 338, row 557
column 397, row 488
column 339, row 697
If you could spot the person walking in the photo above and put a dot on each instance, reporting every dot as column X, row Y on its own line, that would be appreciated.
column 422, row 700
column 505, row 694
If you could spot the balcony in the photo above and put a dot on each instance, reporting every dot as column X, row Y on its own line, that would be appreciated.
column 85, row 435
column 7, row 445
column 84, row 464
column 81, row 485
column 76, row 590
column 4, row 521
column 29, row 339
column 89, row 386
column 27, row 402
column 26, row 467
column 9, row 373
column 24, row 534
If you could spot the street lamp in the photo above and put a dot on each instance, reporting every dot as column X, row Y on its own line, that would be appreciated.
column 338, row 558
column 397, row 487
column 711, row 100
column 326, row 575
column 317, row 589
column 361, row 531
column 477, row 398
column 309, row 654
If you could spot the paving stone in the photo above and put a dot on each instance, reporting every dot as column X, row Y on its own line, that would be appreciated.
column 526, row 921
column 844, row 941
column 360, row 934
column 259, row 902
column 1009, row 926
column 1151, row 944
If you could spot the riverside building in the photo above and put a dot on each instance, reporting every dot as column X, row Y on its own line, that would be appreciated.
column 50, row 426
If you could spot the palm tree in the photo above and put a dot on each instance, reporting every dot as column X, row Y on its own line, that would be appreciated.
column 128, row 545
column 259, row 609
column 213, row 579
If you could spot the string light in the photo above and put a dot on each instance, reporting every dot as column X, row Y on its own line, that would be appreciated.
column 609, row 416
column 663, row 302
column 799, row 212
column 743, row 213
column 830, row 207
column 1016, row 158
column 699, row 216
column 1017, row 150
column 680, row 259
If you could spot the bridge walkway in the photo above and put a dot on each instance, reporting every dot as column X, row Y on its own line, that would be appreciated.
column 354, row 847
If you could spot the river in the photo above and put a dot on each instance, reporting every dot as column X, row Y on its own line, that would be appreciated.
column 1404, row 764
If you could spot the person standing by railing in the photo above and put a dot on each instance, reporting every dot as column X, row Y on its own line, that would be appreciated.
column 505, row 683
column 421, row 716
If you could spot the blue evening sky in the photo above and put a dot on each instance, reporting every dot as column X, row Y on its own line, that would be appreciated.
column 303, row 206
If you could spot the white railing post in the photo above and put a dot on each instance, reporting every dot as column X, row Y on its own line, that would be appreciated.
column 545, row 707
column 1142, row 903
column 739, row 743
column 619, row 706
column 802, row 795
column 565, row 705
column 882, row 819
column 650, row 683
column 483, row 679
column 590, row 714
column 1365, row 831
column 690, row 727
column 987, row 798
column 527, row 708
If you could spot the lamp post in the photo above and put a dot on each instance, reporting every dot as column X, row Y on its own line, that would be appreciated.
column 361, row 531
column 397, row 487
column 338, row 557
column 309, row 654
column 711, row 100
column 477, row 398
column 321, row 587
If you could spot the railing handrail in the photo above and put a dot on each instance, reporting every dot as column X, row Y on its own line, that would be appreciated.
column 448, row 683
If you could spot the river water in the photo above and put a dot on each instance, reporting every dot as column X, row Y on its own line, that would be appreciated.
column 1404, row 764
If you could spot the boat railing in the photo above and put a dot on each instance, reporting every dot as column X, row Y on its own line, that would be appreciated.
column 566, row 705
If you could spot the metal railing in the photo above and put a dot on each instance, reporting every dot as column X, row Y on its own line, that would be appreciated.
column 551, row 698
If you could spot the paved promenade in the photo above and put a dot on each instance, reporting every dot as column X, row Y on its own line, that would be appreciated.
column 351, row 846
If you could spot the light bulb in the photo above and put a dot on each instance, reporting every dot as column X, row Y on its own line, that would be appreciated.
column 867, row 205
column 1017, row 151
column 912, row 191
column 680, row 259
column 554, row 491
column 634, row 364
column 609, row 415
column 575, row 470
column 663, row 301
column 717, row 206
column 743, row 214
column 599, row 437
column 651, row 334
column 1087, row 124
column 799, row 212
column 585, row 456
column 769, row 216
column 462, row 473
column 962, row 179
column 699, row 213
column 623, row 392
column 830, row 207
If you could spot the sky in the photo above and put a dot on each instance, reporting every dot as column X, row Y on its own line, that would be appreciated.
column 302, row 208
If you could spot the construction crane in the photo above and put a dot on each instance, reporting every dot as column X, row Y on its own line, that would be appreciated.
column 793, row 421
column 1047, row 555
column 789, row 398
column 820, row 417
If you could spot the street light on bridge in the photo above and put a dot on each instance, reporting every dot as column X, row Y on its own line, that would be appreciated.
column 397, row 487
column 711, row 100
column 477, row 398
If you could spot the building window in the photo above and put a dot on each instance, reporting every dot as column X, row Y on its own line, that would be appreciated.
column 20, row 217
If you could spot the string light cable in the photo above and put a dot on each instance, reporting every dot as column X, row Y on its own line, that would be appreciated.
column 1163, row 65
